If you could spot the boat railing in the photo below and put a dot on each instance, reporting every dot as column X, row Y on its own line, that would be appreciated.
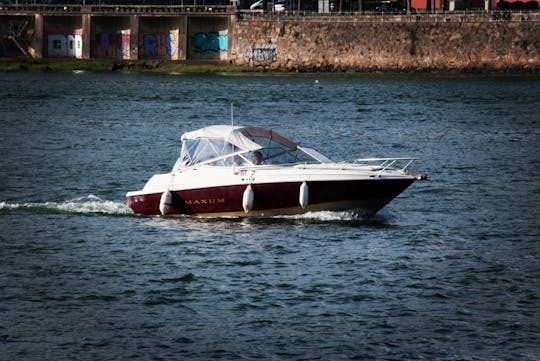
column 379, row 165
column 385, row 163
column 394, row 163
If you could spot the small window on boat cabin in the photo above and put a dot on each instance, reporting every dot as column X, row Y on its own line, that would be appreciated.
column 204, row 150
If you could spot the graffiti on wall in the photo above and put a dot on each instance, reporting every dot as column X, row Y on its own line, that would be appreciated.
column 161, row 45
column 66, row 44
column 263, row 55
column 213, row 41
column 115, row 45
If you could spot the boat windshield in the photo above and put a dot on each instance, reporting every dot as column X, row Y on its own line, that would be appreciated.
column 276, row 153
column 219, row 152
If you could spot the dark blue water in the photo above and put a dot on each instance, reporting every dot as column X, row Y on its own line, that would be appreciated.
column 448, row 271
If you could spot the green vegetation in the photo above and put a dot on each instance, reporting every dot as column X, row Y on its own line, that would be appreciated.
column 198, row 68
column 152, row 66
column 62, row 65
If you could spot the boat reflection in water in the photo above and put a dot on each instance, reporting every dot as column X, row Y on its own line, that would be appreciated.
column 249, row 171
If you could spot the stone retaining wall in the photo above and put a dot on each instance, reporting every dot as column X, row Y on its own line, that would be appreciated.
column 394, row 46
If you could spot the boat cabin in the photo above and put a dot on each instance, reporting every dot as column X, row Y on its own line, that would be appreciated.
column 227, row 145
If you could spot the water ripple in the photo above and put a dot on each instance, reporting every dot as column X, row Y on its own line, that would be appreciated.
column 449, row 271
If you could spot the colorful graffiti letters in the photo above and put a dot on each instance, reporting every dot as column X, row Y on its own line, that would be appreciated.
column 265, row 54
column 213, row 41
column 64, row 45
column 160, row 45
column 112, row 44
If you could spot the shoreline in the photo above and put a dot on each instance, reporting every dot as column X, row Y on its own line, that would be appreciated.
column 168, row 67
column 141, row 66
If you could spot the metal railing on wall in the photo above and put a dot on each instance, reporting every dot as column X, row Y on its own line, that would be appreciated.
column 72, row 9
column 428, row 17
column 246, row 15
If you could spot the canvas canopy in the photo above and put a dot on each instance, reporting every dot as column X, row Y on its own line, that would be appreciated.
column 226, row 145
column 241, row 137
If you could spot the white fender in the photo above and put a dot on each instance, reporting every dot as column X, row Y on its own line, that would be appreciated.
column 165, row 203
column 303, row 197
column 247, row 199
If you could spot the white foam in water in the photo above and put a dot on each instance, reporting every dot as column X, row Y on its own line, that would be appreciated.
column 87, row 204
column 326, row 216
column 92, row 204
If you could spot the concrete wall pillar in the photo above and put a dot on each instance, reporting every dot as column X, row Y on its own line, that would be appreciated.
column 231, row 55
column 37, row 44
column 86, row 35
column 134, row 37
column 183, row 37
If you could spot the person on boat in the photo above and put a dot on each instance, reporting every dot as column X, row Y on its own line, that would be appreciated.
column 257, row 158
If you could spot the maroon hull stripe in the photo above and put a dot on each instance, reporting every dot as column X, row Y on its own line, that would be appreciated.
column 368, row 194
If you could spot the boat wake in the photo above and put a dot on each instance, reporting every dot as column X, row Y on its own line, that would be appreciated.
column 92, row 204
column 325, row 216
column 83, row 205
column 336, row 216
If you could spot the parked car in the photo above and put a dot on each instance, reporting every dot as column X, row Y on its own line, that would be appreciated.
column 256, row 5
column 276, row 7
column 279, row 7
column 390, row 8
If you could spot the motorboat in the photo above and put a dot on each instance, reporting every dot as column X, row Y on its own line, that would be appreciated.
column 228, row 170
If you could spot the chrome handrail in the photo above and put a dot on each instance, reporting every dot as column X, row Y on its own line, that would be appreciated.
column 387, row 162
